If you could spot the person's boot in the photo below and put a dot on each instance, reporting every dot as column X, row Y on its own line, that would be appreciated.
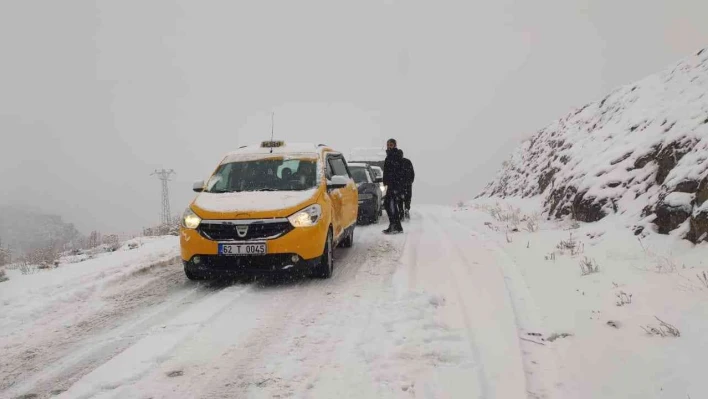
column 399, row 228
column 390, row 229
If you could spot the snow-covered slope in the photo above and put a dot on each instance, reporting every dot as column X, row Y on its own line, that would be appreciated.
column 642, row 151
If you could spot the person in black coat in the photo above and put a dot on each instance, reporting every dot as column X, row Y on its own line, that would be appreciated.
column 394, row 180
column 408, row 179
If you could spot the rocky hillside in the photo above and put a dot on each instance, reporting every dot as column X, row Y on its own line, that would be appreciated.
column 642, row 151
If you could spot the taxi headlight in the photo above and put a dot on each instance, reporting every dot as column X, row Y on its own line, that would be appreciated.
column 306, row 217
column 190, row 220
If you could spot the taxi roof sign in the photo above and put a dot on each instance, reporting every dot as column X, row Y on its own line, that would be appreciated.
column 272, row 144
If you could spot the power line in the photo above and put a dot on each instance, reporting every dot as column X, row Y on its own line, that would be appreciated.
column 164, row 176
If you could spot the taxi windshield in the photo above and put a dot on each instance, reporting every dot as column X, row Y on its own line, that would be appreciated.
column 264, row 175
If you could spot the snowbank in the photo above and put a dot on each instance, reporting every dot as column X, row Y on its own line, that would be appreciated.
column 605, row 328
column 27, row 296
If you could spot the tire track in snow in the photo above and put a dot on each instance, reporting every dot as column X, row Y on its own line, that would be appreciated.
column 100, row 336
column 291, row 325
column 541, row 383
column 484, row 306
column 407, row 277
column 471, row 338
column 153, row 343
column 268, row 315
column 367, row 343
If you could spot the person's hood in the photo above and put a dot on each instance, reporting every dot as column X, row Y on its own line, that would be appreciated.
column 395, row 153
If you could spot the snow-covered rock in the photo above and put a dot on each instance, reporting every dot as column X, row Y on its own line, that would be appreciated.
column 642, row 151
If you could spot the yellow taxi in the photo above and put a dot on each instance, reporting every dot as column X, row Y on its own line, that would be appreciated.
column 269, row 208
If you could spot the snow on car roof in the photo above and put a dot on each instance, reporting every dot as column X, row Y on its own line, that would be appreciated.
column 358, row 164
column 294, row 150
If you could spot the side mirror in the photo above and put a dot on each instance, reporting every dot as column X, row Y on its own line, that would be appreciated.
column 337, row 182
column 198, row 186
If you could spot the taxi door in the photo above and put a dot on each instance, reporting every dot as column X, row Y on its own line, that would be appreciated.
column 335, row 195
column 348, row 196
column 351, row 199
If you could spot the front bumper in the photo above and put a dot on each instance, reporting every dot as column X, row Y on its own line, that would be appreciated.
column 215, row 265
column 306, row 242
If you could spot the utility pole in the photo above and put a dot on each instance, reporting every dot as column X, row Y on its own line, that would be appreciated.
column 164, row 176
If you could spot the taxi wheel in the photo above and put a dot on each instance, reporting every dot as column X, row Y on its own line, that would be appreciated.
column 348, row 242
column 326, row 264
column 193, row 277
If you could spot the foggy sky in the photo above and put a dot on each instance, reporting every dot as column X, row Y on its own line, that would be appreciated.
column 95, row 96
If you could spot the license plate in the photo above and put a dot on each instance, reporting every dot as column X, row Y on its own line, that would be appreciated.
column 243, row 249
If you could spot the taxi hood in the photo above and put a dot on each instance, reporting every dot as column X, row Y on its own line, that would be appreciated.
column 252, row 204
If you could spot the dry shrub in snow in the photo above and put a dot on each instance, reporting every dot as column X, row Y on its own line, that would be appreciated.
column 26, row 268
column 571, row 245
column 623, row 298
column 532, row 222
column 662, row 264
column 3, row 277
column 704, row 278
column 43, row 257
column 664, row 329
column 574, row 225
column 588, row 266
column 555, row 336
column 113, row 247
column 491, row 226
column 512, row 217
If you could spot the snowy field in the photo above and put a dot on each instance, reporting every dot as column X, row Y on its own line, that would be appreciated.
column 460, row 306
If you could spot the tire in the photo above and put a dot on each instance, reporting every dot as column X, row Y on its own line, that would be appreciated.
column 326, row 264
column 348, row 241
column 193, row 277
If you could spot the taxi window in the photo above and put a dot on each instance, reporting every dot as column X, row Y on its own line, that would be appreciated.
column 338, row 167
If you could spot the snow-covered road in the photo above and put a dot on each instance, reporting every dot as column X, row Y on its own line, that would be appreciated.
column 429, row 313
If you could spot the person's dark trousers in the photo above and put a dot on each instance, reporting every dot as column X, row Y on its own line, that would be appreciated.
column 393, row 204
column 401, row 206
column 407, row 196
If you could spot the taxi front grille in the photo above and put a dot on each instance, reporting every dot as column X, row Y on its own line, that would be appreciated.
column 224, row 231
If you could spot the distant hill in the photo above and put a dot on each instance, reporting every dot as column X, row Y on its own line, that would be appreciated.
column 24, row 229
